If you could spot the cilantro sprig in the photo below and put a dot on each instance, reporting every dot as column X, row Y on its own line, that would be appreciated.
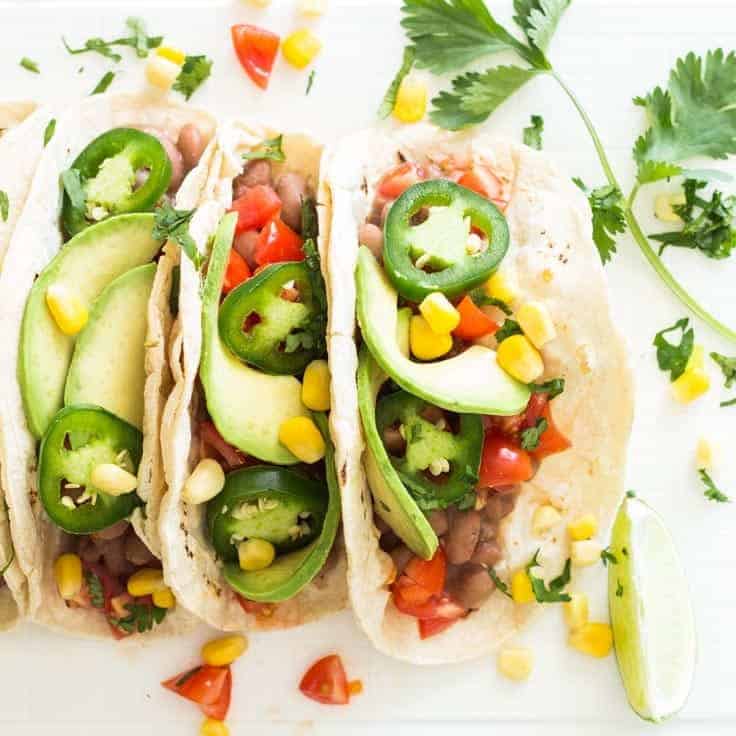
column 531, row 436
column 532, row 135
column 141, row 618
column 508, row 328
column 554, row 593
column 503, row 587
column 194, row 72
column 673, row 357
column 609, row 219
column 172, row 224
column 554, row 387
column 271, row 148
column 139, row 40
column 711, row 492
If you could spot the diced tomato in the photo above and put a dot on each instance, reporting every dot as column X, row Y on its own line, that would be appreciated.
column 437, row 606
column 209, row 435
column 264, row 610
column 325, row 681
column 534, row 410
column 551, row 441
column 237, row 272
column 255, row 208
column 111, row 586
column 429, row 574
column 474, row 323
column 503, row 462
column 277, row 243
column 218, row 710
column 203, row 685
column 433, row 626
column 398, row 180
column 483, row 181
column 256, row 49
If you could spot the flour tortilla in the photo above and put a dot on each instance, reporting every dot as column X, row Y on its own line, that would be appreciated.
column 553, row 259
column 36, row 240
column 190, row 565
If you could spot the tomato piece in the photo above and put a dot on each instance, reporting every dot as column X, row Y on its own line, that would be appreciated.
column 429, row 574
column 483, row 181
column 474, row 322
column 203, row 685
column 503, row 462
column 325, row 681
column 256, row 49
column 218, row 710
column 433, row 626
column 534, row 410
column 264, row 610
column 398, row 180
column 209, row 436
column 278, row 242
column 237, row 272
column 551, row 441
column 255, row 208
column 437, row 606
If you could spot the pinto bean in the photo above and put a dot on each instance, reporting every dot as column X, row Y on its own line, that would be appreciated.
column 113, row 552
column 472, row 586
column 245, row 243
column 438, row 521
column 394, row 442
column 498, row 506
column 88, row 550
column 112, row 532
column 136, row 551
column 191, row 145
column 432, row 413
column 255, row 173
column 462, row 536
column 401, row 556
column 487, row 553
column 291, row 189
column 372, row 237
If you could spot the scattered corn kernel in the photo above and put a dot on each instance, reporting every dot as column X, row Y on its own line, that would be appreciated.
column 520, row 359
column 537, row 325
column 694, row 381
column 515, row 663
column 499, row 286
column 663, row 206
column 316, row 386
column 585, row 553
column 411, row 100
column 255, row 554
column 161, row 72
column 68, row 575
column 426, row 344
column 545, row 517
column 595, row 639
column 177, row 56
column 302, row 438
column 205, row 482
column 225, row 650
column 355, row 687
column 441, row 316
column 67, row 309
column 300, row 48
column 704, row 454
column 521, row 588
column 576, row 611
column 145, row 582
column 313, row 8
column 210, row 726
column 584, row 527
column 163, row 598
column 112, row 479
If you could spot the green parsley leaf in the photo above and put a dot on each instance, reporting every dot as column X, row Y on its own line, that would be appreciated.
column 140, row 41
column 271, row 149
column 533, row 134
column 103, row 84
column 140, row 618
column 530, row 437
column 4, row 206
column 727, row 366
column 608, row 217
column 71, row 180
column 553, row 593
column 508, row 328
column 619, row 589
column 171, row 224
column 30, row 65
column 711, row 492
column 48, row 133
column 310, row 81
column 539, row 19
column 95, row 589
column 389, row 99
column 674, row 357
column 500, row 585
column 554, row 387
column 194, row 72
column 608, row 557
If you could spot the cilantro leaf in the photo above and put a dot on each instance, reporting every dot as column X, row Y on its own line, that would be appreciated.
column 650, row 171
column 103, row 84
column 531, row 436
column 608, row 557
column 317, row 325
column 389, row 99
column 481, row 299
column 30, row 65
column 539, row 18
column 95, row 589
column 139, row 40
column 508, row 328
column 49, row 131
column 71, row 180
column 711, row 492
column 674, row 357
column 730, row 402
column 4, row 206
column 270, row 148
column 140, row 618
column 727, row 366
column 503, row 587
column 554, row 387
column 608, row 217
column 553, row 593
column 310, row 81
column 171, row 224
column 194, row 72
column 533, row 134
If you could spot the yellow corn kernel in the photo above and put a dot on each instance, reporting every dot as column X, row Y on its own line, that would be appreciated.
column 704, row 454
column 255, row 554
column 576, row 611
column 537, row 325
column 585, row 553
column 595, row 639
column 515, row 663
column 411, row 100
column 316, row 386
column 499, row 286
column 145, row 582
column 521, row 588
column 163, row 598
column 211, row 726
column 68, row 575
column 545, row 517
column 584, row 527
column 225, row 650
column 312, row 8
column 67, row 309
column 161, row 72
column 112, row 479
column 177, row 56
column 302, row 438
column 426, row 344
column 441, row 316
column 694, row 381
column 205, row 482
column 520, row 359
column 663, row 206
column 300, row 48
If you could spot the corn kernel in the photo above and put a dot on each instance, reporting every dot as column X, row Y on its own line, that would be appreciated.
column 537, row 325
column 67, row 309
column 690, row 386
column 161, row 72
column 68, row 575
column 302, row 438
column 224, row 651
column 163, row 598
column 576, row 611
column 316, row 386
column 300, row 48
column 520, row 359
column 177, row 56
column 255, row 554
column 205, row 482
column 112, row 479
column 584, row 527
column 499, row 286
column 545, row 517
column 441, row 316
column 211, row 726
column 704, row 454
column 426, row 344
column 585, row 553
column 411, row 100
column 145, row 582
column 595, row 639
column 515, row 663
column 312, row 8
column 663, row 206
column 521, row 588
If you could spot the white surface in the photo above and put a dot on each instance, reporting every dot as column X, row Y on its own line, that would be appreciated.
column 608, row 51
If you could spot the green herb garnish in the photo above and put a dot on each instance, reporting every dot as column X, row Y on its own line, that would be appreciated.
column 608, row 217
column 503, row 587
column 71, row 180
column 619, row 589
column 554, row 387
column 95, row 589
column 138, row 40
column 508, row 328
column 530, row 437
column 532, row 135
column 171, row 224
column 712, row 493
column 272, row 148
column 608, row 557
column 194, row 72
column 674, row 357
column 310, row 81
column 48, row 133
column 389, row 99
column 30, row 65
column 140, row 618
column 554, row 593
column 4, row 206
column 728, row 368
column 103, row 84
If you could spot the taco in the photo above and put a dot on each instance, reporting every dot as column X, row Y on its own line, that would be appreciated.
column 250, row 519
column 490, row 402
column 83, row 375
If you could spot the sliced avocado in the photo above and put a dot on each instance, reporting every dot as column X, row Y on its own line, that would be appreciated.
column 246, row 405
column 85, row 265
column 469, row 383
column 107, row 367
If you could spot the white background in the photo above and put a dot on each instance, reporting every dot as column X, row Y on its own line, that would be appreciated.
column 608, row 51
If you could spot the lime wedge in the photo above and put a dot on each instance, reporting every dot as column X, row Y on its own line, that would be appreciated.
column 651, row 613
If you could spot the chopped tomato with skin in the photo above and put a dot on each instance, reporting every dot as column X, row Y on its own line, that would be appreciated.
column 474, row 322
column 433, row 626
column 278, row 242
column 218, row 710
column 256, row 49
column 209, row 435
column 436, row 606
column 398, row 180
column 203, row 685
column 481, row 180
column 429, row 575
column 237, row 272
column 325, row 681
column 534, row 409
column 503, row 462
column 254, row 607
column 255, row 208
column 551, row 441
